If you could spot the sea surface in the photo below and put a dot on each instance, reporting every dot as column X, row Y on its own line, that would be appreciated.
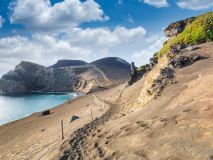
column 20, row 106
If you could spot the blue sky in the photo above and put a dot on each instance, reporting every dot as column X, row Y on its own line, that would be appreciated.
column 44, row 31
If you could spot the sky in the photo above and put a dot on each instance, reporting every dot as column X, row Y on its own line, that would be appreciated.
column 44, row 31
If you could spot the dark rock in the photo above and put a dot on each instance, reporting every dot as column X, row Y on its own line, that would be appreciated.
column 153, row 61
column 46, row 112
column 149, row 92
column 132, row 75
column 177, row 27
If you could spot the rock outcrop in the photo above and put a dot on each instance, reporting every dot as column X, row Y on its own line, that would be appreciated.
column 191, row 31
column 162, row 73
column 177, row 27
column 28, row 77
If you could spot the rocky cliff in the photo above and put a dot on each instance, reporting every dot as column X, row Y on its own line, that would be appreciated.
column 191, row 31
column 28, row 77
column 178, row 27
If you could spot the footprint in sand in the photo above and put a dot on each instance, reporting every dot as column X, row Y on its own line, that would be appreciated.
column 169, row 120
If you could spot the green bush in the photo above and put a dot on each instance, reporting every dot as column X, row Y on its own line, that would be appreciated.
column 199, row 31
column 143, row 66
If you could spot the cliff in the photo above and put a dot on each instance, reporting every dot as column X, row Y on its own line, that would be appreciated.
column 194, row 31
column 28, row 77
column 178, row 27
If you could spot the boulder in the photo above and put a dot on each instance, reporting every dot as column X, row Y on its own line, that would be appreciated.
column 191, row 48
column 46, row 112
column 153, row 61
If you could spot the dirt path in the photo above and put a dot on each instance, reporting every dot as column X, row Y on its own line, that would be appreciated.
column 101, row 72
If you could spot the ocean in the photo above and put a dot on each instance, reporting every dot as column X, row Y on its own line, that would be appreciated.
column 19, row 106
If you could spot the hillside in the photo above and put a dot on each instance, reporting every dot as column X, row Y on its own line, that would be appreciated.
column 67, row 63
column 109, row 66
column 166, row 114
column 192, row 31
column 169, row 117
column 176, row 125
column 28, row 77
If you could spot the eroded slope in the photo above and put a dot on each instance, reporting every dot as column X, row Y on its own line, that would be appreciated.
column 177, row 125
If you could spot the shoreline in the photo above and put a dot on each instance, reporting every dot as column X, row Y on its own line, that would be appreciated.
column 27, row 132
column 74, row 95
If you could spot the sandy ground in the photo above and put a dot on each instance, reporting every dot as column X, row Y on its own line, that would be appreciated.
column 176, row 126
column 19, row 137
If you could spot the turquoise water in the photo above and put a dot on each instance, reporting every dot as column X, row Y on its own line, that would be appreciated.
column 20, row 106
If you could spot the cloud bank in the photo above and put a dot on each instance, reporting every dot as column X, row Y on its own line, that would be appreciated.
column 195, row 4
column 40, row 16
column 157, row 3
column 77, row 44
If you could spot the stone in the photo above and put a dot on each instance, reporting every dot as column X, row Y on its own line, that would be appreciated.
column 153, row 61
column 46, row 112
column 191, row 48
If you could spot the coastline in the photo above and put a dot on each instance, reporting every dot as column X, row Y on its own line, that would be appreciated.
column 27, row 132
column 19, row 116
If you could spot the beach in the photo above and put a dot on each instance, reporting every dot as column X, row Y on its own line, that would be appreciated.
column 176, row 125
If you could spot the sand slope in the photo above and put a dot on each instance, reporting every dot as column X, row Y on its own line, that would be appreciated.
column 178, row 125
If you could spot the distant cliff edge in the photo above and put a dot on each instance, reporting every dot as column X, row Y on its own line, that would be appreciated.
column 65, row 76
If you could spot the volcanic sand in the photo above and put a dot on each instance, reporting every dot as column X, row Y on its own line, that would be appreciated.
column 178, row 125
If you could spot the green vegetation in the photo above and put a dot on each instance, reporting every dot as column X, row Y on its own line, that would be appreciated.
column 200, row 31
column 143, row 66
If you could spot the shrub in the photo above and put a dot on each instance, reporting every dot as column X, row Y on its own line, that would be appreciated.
column 143, row 66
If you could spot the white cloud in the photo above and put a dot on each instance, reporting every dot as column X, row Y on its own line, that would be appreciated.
column 157, row 3
column 40, row 16
column 103, row 38
column 195, row 4
column 129, row 19
column 1, row 21
column 88, row 44
column 153, row 37
column 143, row 56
